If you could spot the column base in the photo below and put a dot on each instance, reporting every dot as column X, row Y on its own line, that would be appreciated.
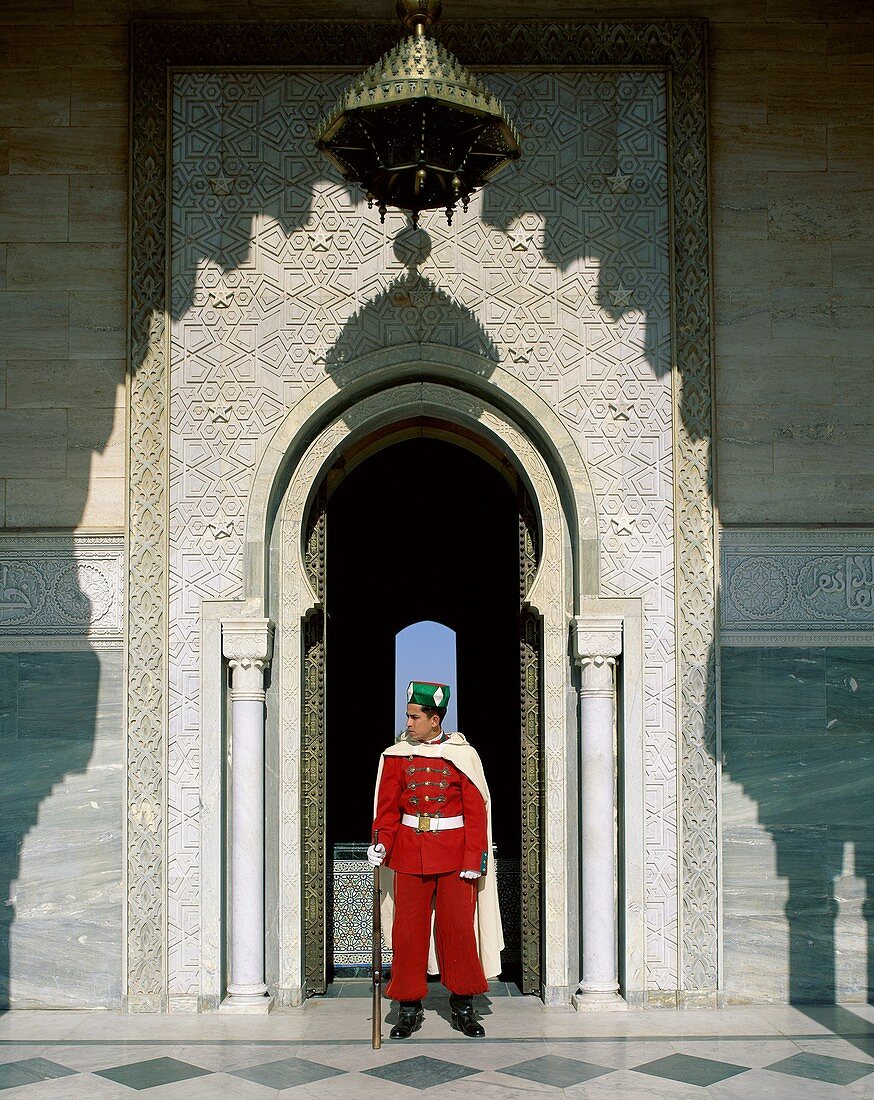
column 599, row 1002
column 246, row 1004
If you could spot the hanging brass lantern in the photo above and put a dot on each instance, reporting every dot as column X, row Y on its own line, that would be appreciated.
column 417, row 131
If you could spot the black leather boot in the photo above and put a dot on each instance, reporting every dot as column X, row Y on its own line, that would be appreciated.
column 463, row 1018
column 410, row 1017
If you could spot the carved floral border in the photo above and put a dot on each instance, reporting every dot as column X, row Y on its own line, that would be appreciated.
column 61, row 591
column 677, row 46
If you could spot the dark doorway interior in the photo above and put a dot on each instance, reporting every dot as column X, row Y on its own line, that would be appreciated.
column 423, row 529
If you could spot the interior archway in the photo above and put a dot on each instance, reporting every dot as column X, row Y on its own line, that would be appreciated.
column 423, row 528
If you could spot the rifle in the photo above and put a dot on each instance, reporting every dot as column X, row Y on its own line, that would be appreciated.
column 376, row 967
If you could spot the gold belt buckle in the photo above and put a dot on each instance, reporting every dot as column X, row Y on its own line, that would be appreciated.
column 424, row 825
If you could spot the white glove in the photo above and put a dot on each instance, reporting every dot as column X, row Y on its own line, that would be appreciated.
column 469, row 874
column 375, row 855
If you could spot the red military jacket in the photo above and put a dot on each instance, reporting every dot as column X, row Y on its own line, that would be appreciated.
column 425, row 785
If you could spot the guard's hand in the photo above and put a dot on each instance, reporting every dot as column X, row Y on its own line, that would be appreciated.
column 375, row 855
column 469, row 874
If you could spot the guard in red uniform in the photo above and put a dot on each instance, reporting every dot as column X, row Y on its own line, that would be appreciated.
column 431, row 829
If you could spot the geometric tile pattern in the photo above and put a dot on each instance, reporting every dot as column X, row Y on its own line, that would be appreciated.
column 552, row 1069
column 152, row 1072
column 352, row 914
column 691, row 1070
column 820, row 1067
column 426, row 1063
column 422, row 1072
column 279, row 275
column 286, row 1073
column 29, row 1071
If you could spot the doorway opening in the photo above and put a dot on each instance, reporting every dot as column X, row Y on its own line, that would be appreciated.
column 425, row 651
column 426, row 526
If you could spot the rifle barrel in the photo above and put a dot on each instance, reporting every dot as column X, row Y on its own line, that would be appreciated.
column 376, row 970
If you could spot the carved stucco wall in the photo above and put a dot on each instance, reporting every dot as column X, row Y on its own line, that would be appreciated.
column 583, row 221
column 560, row 274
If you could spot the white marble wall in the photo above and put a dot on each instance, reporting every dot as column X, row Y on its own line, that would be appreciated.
column 61, row 770
column 798, row 764
column 61, row 783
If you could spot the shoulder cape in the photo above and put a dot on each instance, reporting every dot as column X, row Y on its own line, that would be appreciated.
column 487, row 922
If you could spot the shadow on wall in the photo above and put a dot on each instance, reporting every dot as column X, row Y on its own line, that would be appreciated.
column 798, row 739
column 60, row 832
column 412, row 308
column 262, row 164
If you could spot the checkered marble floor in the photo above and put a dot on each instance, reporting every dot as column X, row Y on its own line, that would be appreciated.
column 323, row 1050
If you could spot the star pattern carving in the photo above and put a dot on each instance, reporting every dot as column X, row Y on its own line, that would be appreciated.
column 320, row 240
column 623, row 523
column 618, row 183
column 620, row 297
column 221, row 186
column 520, row 240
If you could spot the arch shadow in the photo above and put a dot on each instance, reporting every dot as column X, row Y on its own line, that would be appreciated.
column 60, row 775
column 798, row 740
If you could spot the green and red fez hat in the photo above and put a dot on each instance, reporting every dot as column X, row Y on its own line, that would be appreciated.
column 428, row 695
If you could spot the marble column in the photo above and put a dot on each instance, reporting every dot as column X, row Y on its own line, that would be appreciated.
column 597, row 644
column 247, row 645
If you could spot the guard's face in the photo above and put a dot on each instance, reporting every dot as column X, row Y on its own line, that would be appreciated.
column 421, row 726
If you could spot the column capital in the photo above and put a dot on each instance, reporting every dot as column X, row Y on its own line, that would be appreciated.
column 247, row 640
column 247, row 644
column 597, row 638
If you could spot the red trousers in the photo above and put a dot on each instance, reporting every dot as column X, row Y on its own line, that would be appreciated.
column 453, row 900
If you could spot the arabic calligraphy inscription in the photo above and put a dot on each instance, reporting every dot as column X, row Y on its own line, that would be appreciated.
column 816, row 584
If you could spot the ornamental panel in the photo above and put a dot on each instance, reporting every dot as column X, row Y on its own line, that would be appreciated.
column 797, row 587
column 57, row 589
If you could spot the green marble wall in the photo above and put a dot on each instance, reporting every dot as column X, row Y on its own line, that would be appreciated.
column 61, row 752
column 798, row 823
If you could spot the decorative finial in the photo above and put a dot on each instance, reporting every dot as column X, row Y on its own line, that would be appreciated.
column 418, row 15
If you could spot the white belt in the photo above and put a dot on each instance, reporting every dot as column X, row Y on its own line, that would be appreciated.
column 427, row 824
